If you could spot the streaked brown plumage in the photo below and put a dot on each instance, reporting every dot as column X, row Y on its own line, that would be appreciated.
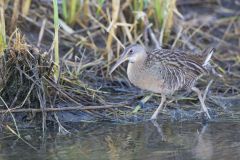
column 164, row 71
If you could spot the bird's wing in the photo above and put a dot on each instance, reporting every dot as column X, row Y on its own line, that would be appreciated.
column 179, row 59
column 175, row 67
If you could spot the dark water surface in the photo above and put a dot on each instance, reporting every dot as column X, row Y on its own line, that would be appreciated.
column 170, row 140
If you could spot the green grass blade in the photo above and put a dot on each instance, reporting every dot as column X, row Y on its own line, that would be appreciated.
column 64, row 9
column 2, row 29
column 100, row 4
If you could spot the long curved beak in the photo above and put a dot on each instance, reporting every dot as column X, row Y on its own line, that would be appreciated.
column 122, row 59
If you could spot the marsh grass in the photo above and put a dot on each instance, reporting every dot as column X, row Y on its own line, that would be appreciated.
column 164, row 16
column 21, row 76
column 70, row 10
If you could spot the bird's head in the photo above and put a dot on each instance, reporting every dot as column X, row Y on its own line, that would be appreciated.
column 131, row 53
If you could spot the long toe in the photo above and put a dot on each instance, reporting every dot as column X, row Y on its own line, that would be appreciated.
column 203, row 113
column 208, row 115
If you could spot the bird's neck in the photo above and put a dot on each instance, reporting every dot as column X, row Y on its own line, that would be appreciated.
column 136, row 69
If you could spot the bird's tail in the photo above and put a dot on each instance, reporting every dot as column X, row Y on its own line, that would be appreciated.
column 209, row 56
column 208, row 66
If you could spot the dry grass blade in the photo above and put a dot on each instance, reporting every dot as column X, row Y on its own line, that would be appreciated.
column 48, row 109
column 19, row 41
column 14, row 15
column 56, row 42
column 13, row 118
column 126, row 27
column 26, row 6
column 111, row 29
column 41, row 32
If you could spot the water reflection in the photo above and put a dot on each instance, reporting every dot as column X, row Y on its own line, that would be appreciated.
column 204, row 147
column 159, row 141
column 159, row 129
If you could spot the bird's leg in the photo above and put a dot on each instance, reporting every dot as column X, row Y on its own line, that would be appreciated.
column 160, row 107
column 204, row 108
column 206, row 90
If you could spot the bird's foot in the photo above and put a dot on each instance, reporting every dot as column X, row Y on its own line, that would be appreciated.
column 208, row 115
column 204, row 115
column 205, row 112
column 160, row 107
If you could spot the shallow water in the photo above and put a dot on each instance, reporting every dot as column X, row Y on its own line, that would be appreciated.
column 169, row 140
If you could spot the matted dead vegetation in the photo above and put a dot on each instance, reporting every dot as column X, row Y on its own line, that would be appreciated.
column 92, row 40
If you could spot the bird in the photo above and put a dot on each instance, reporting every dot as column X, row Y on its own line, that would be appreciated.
column 164, row 71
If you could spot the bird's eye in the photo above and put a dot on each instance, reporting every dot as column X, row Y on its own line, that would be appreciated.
column 131, row 51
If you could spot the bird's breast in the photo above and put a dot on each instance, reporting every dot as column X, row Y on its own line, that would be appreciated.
column 142, row 77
